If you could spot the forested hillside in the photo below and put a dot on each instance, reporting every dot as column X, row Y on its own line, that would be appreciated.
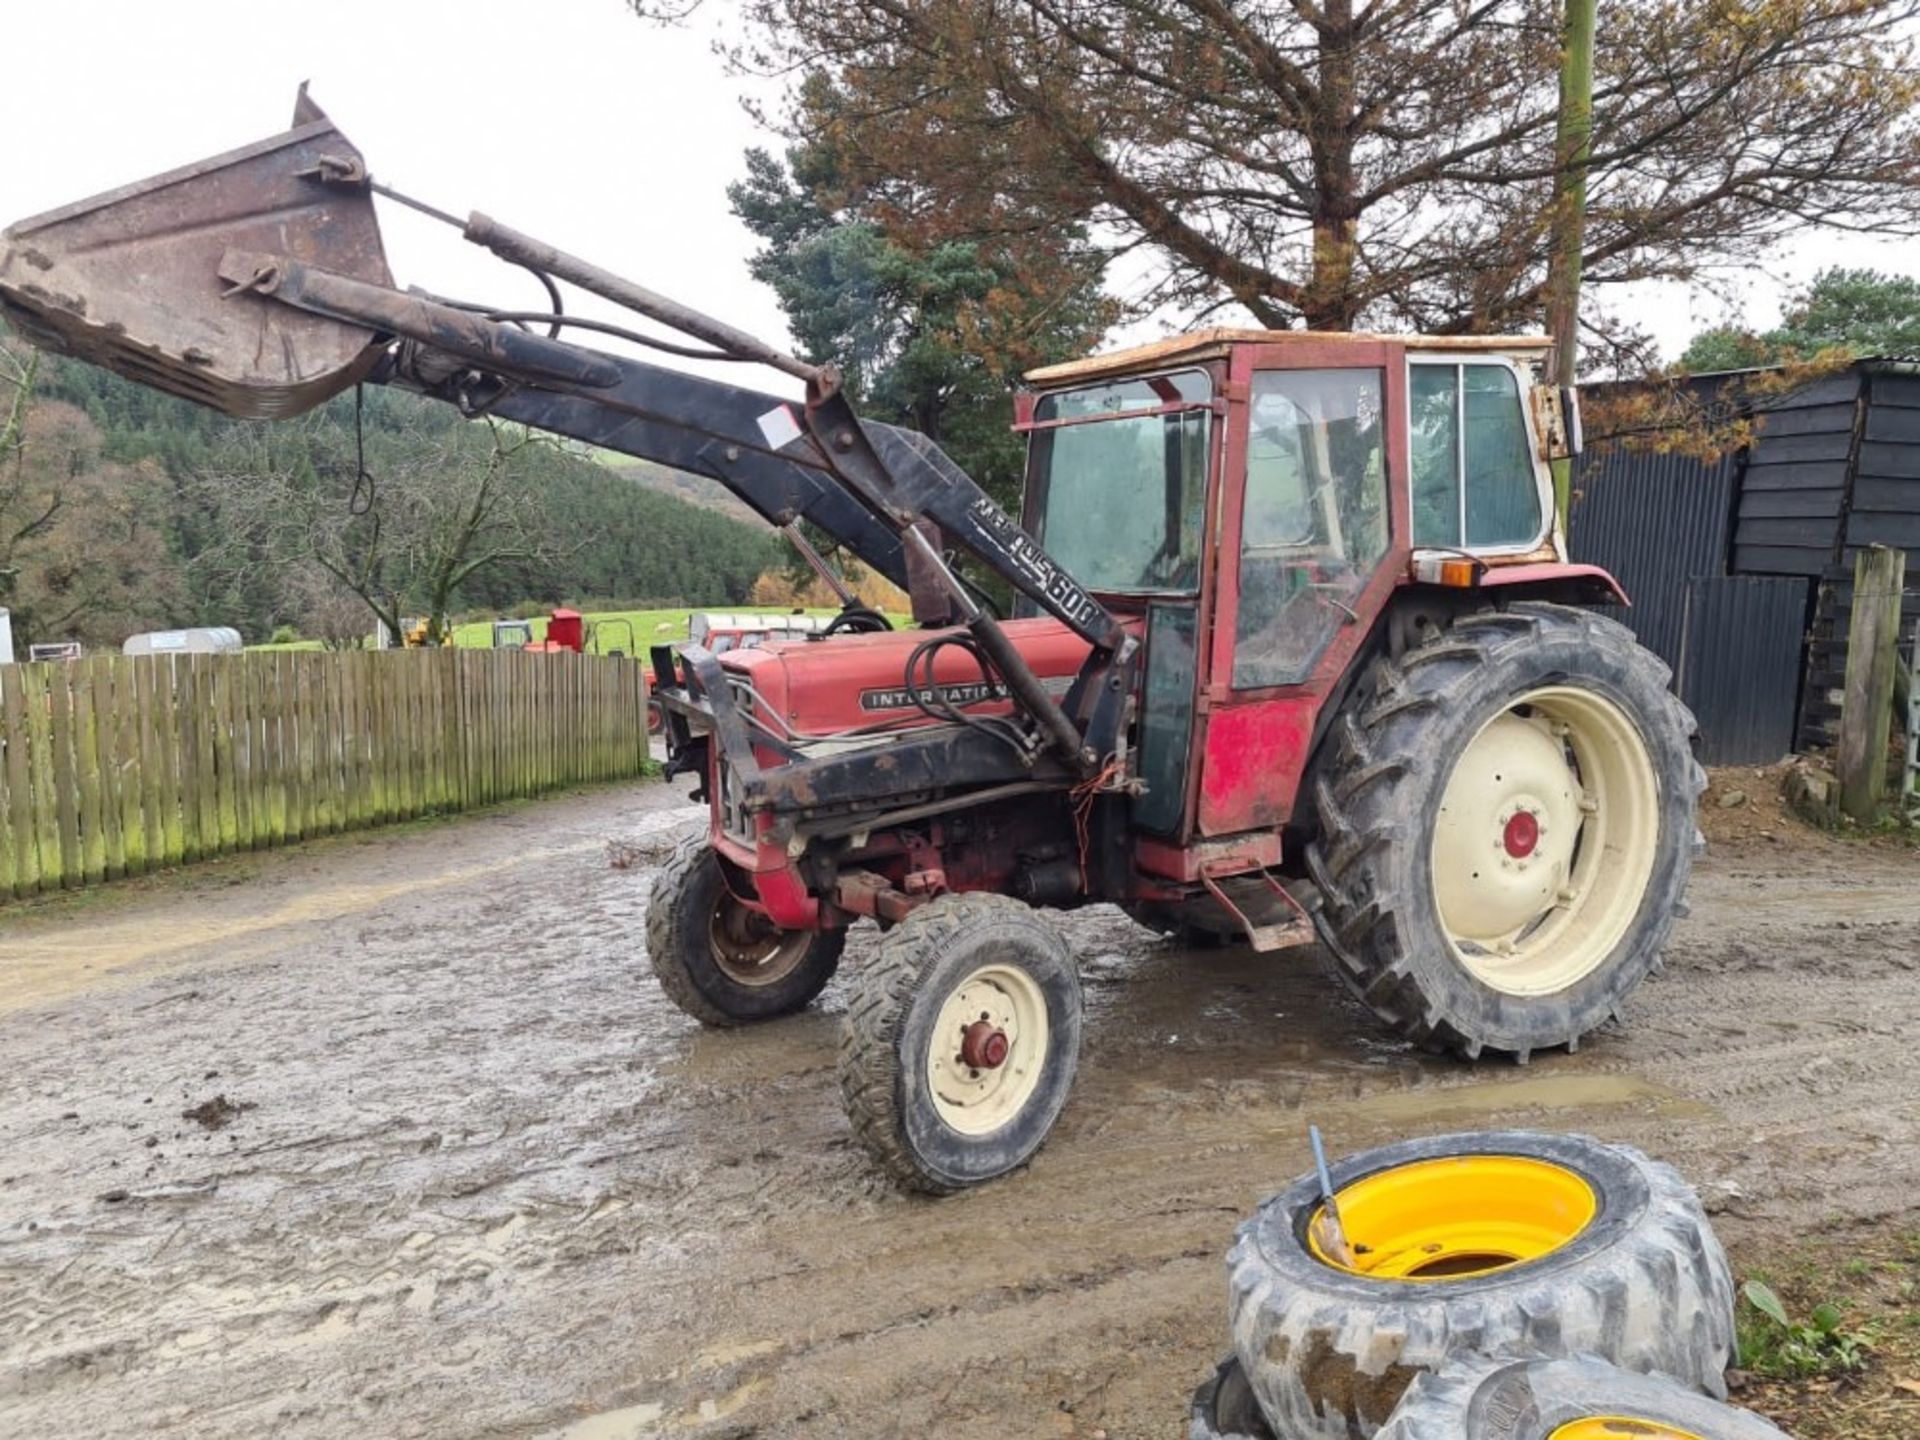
column 123, row 509
column 679, row 485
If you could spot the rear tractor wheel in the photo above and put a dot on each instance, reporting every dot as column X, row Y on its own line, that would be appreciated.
column 961, row 1041
column 723, row 962
column 1506, row 830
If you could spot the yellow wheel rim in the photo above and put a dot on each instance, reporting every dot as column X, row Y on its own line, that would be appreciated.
column 1546, row 840
column 989, row 1049
column 1456, row 1217
column 1621, row 1427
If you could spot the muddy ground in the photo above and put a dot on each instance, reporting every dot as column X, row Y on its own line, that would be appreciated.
column 394, row 1136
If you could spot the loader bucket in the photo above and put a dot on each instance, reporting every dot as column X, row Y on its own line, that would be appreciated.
column 129, row 280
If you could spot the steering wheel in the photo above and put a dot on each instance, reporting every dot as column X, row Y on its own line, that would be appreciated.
column 857, row 620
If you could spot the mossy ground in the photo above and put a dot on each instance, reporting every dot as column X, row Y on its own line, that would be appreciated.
column 1873, row 1278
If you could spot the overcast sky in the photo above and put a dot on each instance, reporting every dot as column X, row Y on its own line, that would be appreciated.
column 569, row 119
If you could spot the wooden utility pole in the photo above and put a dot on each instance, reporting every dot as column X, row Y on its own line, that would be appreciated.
column 1866, row 708
column 1568, row 223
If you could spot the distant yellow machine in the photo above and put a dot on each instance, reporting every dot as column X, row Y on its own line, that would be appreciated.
column 413, row 634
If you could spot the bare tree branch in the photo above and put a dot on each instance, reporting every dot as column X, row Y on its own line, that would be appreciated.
column 1338, row 163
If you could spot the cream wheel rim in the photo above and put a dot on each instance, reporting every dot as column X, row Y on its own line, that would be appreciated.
column 1545, row 842
column 989, row 1049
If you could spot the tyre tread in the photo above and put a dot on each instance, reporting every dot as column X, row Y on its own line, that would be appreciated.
column 1660, row 1295
column 1364, row 797
column 665, row 932
column 869, row 1057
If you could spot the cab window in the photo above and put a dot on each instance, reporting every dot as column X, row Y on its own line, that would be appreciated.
column 1118, row 481
column 1473, row 479
column 1313, row 525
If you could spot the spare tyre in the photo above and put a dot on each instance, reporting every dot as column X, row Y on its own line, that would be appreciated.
column 1224, row 1407
column 1478, row 1398
column 1497, row 1242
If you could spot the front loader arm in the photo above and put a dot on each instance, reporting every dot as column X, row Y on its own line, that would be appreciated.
column 900, row 475
column 907, row 480
column 709, row 428
column 665, row 416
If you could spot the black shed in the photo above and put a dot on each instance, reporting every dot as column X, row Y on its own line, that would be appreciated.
column 1741, row 571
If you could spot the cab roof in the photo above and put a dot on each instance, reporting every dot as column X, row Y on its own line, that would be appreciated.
column 1206, row 344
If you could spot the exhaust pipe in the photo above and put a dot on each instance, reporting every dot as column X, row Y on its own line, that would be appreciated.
column 130, row 280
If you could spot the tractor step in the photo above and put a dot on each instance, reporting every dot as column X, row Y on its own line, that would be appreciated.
column 1281, row 937
column 1265, row 913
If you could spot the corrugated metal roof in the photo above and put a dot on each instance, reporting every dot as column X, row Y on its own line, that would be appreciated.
column 1867, row 362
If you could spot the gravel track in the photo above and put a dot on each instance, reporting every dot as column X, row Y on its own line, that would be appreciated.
column 469, row 1174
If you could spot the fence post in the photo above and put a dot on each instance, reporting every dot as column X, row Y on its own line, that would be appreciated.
column 16, row 815
column 1873, row 642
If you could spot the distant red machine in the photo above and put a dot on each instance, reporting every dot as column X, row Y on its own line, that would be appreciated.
column 566, row 630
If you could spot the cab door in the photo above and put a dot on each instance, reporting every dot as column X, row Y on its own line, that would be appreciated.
column 1313, row 527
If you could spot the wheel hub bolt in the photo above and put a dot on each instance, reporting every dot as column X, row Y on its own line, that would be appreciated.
column 983, row 1046
column 1522, row 834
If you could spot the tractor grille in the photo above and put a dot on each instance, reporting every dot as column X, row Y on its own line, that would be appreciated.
column 734, row 820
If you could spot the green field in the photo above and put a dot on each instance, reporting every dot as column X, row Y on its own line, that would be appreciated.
column 650, row 627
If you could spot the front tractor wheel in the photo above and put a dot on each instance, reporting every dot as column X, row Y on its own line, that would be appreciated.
column 1506, row 830
column 721, row 961
column 961, row 1042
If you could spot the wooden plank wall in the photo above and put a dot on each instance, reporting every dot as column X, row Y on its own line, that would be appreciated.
column 1885, row 510
column 116, row 765
column 1793, row 495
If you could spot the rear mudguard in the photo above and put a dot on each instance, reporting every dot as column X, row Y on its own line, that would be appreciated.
column 1555, row 580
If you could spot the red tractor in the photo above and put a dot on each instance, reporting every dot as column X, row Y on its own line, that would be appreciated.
column 567, row 630
column 1296, row 653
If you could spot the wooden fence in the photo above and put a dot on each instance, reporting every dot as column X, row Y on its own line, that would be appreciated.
column 118, row 765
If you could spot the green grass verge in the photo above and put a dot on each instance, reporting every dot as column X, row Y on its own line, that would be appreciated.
column 1845, row 1365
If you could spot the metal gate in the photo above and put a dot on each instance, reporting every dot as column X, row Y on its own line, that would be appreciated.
column 1740, row 664
column 1910, row 785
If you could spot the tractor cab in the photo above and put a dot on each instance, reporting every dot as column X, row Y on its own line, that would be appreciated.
column 1255, row 498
